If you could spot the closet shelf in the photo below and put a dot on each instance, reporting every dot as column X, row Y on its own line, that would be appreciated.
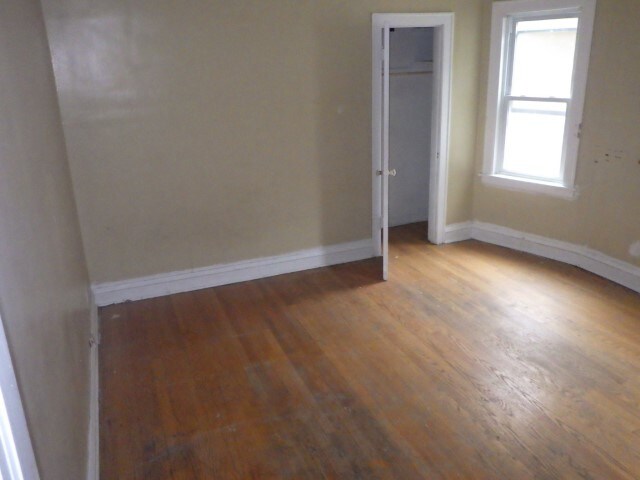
column 416, row 68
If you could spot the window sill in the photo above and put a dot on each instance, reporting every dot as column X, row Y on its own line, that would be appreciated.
column 527, row 185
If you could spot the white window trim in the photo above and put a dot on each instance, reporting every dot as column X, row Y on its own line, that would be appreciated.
column 502, row 10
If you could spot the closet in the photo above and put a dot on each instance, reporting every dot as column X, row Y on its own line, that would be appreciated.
column 410, row 104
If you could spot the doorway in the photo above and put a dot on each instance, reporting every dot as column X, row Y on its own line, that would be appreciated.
column 410, row 102
column 414, row 154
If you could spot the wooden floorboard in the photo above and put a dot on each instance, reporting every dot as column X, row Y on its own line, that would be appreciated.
column 472, row 361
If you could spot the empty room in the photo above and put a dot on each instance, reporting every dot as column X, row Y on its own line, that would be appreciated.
column 318, row 239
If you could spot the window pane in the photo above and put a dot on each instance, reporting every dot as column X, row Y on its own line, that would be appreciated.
column 543, row 57
column 534, row 139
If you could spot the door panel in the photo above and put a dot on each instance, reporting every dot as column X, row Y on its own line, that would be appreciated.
column 385, row 154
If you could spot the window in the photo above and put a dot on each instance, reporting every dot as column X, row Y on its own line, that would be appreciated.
column 537, row 78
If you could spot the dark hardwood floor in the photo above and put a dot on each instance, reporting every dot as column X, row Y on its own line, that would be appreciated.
column 472, row 361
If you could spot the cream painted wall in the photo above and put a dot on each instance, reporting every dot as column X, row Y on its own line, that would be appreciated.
column 212, row 131
column 606, row 215
column 43, row 277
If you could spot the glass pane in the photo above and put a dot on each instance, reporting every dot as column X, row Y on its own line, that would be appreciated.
column 543, row 57
column 534, row 139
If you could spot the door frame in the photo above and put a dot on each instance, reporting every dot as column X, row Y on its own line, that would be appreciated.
column 17, row 459
column 440, row 117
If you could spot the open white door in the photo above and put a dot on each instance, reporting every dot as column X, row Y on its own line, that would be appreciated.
column 384, row 171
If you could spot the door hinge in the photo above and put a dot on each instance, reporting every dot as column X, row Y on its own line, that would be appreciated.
column 93, row 341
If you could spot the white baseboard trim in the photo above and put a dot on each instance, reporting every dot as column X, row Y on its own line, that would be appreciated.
column 578, row 255
column 93, row 443
column 196, row 279
column 457, row 232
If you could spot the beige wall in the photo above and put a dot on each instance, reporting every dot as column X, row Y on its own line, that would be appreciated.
column 211, row 131
column 43, row 278
column 606, row 215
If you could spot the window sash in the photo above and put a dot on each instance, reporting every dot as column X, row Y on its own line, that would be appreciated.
column 505, row 97
column 509, row 47
column 502, row 139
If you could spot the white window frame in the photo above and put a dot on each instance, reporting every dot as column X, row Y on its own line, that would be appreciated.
column 503, row 15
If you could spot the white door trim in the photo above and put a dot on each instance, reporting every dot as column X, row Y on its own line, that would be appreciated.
column 443, row 53
column 17, row 459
